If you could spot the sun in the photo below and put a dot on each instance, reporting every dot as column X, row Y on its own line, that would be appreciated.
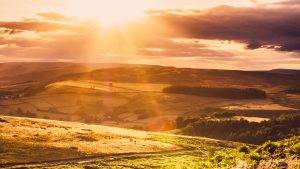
column 107, row 12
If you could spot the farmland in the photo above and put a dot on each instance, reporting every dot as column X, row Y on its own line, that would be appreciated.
column 107, row 119
column 131, row 105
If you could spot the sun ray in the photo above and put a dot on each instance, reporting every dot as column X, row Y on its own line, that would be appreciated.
column 108, row 13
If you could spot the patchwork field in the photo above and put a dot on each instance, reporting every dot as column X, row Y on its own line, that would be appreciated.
column 131, row 105
column 135, row 116
column 112, row 86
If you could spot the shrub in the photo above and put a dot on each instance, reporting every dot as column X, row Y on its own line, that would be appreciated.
column 244, row 149
column 231, row 158
column 255, row 156
column 295, row 149
column 270, row 147
column 2, row 120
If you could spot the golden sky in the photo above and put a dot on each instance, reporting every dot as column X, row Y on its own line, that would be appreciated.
column 244, row 34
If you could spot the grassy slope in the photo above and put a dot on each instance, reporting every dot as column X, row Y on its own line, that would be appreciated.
column 32, row 141
column 278, row 154
column 141, row 150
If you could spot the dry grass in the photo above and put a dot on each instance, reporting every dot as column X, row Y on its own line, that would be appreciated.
column 28, row 140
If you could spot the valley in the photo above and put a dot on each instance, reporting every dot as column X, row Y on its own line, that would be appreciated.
column 106, row 118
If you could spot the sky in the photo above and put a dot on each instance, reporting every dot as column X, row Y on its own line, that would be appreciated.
column 244, row 34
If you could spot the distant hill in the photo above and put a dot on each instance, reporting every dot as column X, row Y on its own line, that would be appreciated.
column 11, row 73
column 286, row 71
column 186, row 76
column 18, row 72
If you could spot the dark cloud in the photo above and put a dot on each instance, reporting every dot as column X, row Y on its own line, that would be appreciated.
column 55, row 36
column 37, row 26
column 188, row 51
column 253, row 45
column 260, row 26
column 10, row 31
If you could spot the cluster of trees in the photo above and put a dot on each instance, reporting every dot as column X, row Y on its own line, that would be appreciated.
column 242, row 130
column 89, row 115
column 20, row 113
column 227, row 93
column 293, row 90
column 21, row 92
column 33, row 89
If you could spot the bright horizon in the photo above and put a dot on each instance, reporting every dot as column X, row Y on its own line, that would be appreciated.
column 248, row 35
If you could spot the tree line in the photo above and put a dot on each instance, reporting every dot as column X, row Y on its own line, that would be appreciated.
column 226, row 93
column 293, row 90
column 242, row 130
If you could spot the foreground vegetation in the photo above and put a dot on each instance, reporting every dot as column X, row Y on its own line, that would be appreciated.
column 27, row 142
column 279, row 154
column 242, row 130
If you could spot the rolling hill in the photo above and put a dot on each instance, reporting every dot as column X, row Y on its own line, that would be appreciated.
column 11, row 73
column 20, row 72
column 186, row 76
column 33, row 143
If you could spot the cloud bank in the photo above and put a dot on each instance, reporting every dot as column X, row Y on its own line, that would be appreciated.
column 160, row 34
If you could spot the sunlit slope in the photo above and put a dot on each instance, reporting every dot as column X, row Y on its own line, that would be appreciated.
column 111, row 86
column 27, row 142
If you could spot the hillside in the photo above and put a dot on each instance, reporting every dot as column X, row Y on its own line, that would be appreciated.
column 283, row 154
column 11, row 73
column 142, row 106
column 34, row 142
column 187, row 76
column 20, row 72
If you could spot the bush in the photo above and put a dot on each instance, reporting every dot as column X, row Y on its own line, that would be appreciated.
column 2, row 120
column 20, row 113
column 295, row 150
column 244, row 149
column 230, row 158
column 255, row 156
column 223, row 114
column 270, row 147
